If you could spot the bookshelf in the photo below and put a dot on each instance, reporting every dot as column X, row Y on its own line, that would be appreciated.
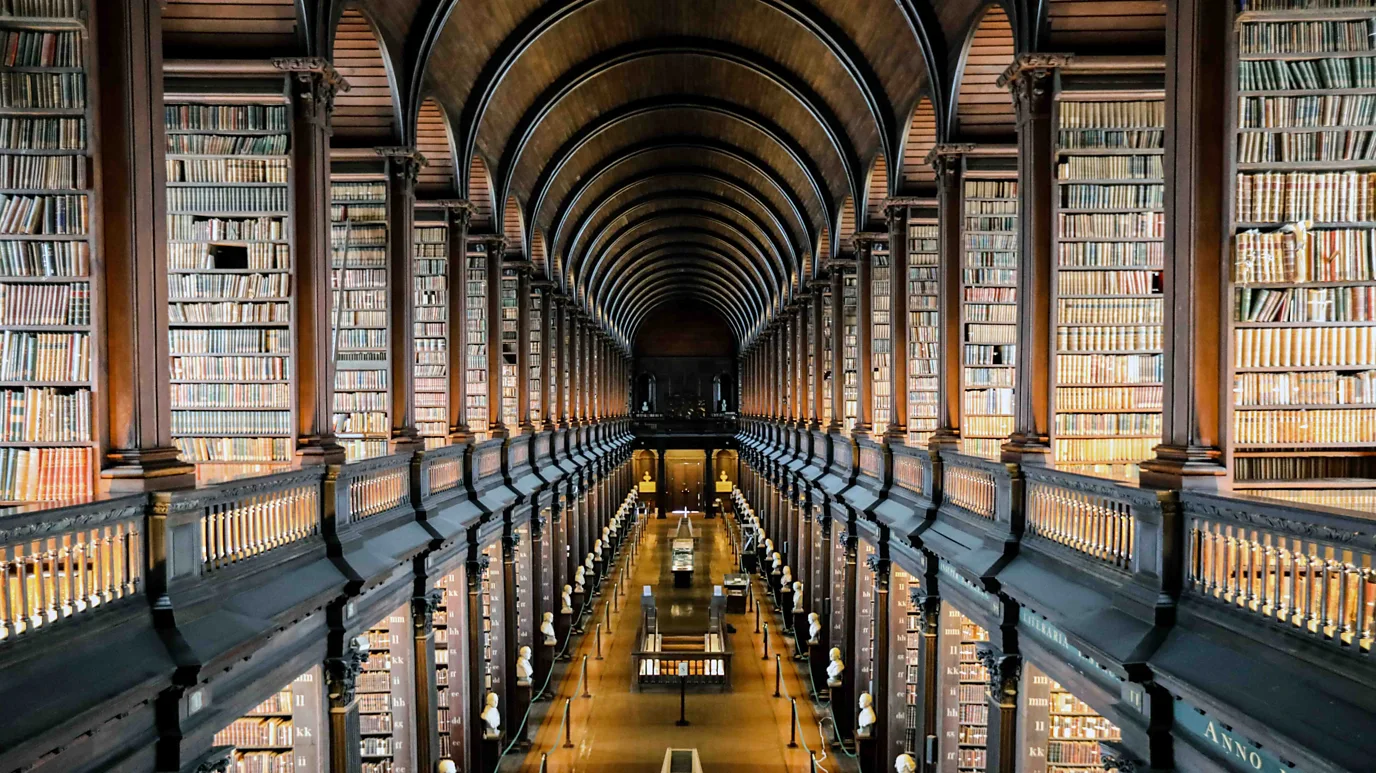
column 377, row 725
column 867, row 597
column 281, row 734
column 536, row 334
column 449, row 678
column 881, row 341
column 358, row 239
column 49, row 269
column 989, row 243
column 431, row 287
column 964, row 730
column 231, row 291
column 1062, row 733
column 907, row 677
column 1302, row 350
column 850, row 350
column 1107, row 295
column 924, row 329
column 511, row 339
column 824, row 379
column 490, row 619
column 475, row 337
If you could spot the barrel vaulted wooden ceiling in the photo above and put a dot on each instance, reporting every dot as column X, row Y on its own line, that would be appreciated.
column 642, row 151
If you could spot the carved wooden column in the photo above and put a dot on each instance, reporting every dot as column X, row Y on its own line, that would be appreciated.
column 523, row 301
column 559, row 358
column 881, row 569
column 1002, row 692
column 313, row 83
column 838, row 376
column 403, row 167
column 1196, row 161
column 798, row 322
column 128, row 86
column 457, row 214
column 427, row 688
column 496, row 256
column 819, row 367
column 1030, row 79
column 341, row 679
column 928, row 609
column 473, row 569
column 548, row 357
column 864, row 335
column 946, row 160
column 899, row 411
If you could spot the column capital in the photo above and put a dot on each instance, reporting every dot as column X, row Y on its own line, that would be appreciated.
column 1004, row 672
column 406, row 163
column 423, row 610
column 945, row 159
column 341, row 672
column 1029, row 79
column 458, row 211
column 318, row 82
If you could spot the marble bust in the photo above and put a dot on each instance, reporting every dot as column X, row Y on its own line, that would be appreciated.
column 787, row 580
column 492, row 718
column 864, row 721
column 523, row 669
column 776, row 560
column 797, row 598
column 547, row 628
column 597, row 549
column 578, row 580
column 447, row 766
column 835, row 667
column 904, row 763
column 814, row 628
column 566, row 601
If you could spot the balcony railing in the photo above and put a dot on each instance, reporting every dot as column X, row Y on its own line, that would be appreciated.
column 969, row 487
column 1085, row 514
column 61, row 563
column 441, row 470
column 248, row 518
column 1311, row 573
column 373, row 486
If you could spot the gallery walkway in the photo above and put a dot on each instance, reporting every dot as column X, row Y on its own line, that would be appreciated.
column 616, row 729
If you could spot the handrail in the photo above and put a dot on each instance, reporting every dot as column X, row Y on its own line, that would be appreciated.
column 65, row 562
column 1094, row 516
column 1310, row 573
column 441, row 469
column 373, row 486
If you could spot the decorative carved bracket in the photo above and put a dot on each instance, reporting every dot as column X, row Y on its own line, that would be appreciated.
column 316, row 82
column 1029, row 79
column 1003, row 671
column 423, row 609
column 341, row 674
column 406, row 163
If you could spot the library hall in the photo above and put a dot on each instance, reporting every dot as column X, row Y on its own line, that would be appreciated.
column 447, row 386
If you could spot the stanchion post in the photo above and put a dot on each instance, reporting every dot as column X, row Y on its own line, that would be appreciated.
column 757, row 613
column 607, row 616
column 586, row 692
column 599, row 641
column 544, row 763
column 568, row 724
column 778, row 675
column 793, row 724
column 765, row 656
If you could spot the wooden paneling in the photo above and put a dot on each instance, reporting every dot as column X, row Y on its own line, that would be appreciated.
column 264, row 27
column 364, row 115
column 513, row 225
column 480, row 196
column 1107, row 26
column 687, row 329
column 983, row 109
column 876, row 194
column 432, row 140
column 846, row 224
column 824, row 247
column 537, row 250
column 917, row 173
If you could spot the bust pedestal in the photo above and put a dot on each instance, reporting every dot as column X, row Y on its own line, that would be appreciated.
column 786, row 607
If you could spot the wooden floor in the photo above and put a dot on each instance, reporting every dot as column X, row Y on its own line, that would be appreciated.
column 620, row 730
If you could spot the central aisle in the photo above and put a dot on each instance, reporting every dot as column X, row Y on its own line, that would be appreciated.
column 621, row 730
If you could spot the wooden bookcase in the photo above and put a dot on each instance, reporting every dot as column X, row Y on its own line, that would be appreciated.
column 511, row 339
column 964, row 731
column 924, row 324
column 1060, row 733
column 359, row 314
column 450, row 678
column 825, row 374
column 905, row 687
column 231, row 275
column 491, row 666
column 475, row 337
column 989, row 280
column 283, row 733
column 850, row 350
column 50, row 268
column 536, row 335
column 1107, row 302
column 386, row 693
column 881, row 339
column 432, row 330
column 1301, row 295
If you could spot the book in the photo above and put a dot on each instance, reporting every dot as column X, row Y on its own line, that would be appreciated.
column 989, row 260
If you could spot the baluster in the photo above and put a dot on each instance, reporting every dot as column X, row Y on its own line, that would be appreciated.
column 66, row 579
column 1315, row 597
column 81, row 560
column 1347, row 574
column 1245, row 543
column 1327, row 598
column 7, row 601
column 1270, row 576
column 1366, row 599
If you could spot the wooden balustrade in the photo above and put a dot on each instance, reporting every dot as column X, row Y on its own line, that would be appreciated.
column 247, row 518
column 373, row 486
column 1308, row 572
column 58, row 564
column 1081, row 514
column 971, row 489
column 441, row 470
